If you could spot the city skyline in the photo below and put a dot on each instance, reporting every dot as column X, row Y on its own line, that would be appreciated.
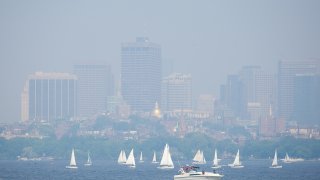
column 211, row 43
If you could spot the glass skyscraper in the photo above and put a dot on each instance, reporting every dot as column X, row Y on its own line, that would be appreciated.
column 141, row 74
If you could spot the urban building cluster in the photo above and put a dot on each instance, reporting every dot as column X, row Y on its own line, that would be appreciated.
column 266, row 104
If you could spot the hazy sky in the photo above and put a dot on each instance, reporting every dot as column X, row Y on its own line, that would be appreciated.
column 208, row 39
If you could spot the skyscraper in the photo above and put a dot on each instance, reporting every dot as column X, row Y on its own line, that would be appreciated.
column 287, row 71
column 141, row 74
column 95, row 84
column 250, row 93
column 306, row 100
column 177, row 93
column 49, row 96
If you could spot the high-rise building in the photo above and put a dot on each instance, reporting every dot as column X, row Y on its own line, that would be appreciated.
column 250, row 93
column 95, row 84
column 177, row 93
column 265, row 91
column 141, row 74
column 49, row 96
column 306, row 100
column 287, row 71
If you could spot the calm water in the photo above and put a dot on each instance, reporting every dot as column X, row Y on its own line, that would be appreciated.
column 254, row 169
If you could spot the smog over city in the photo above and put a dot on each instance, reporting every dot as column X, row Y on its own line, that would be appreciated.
column 190, row 76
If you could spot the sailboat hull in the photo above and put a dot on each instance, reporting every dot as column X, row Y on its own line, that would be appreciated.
column 216, row 167
column 206, row 176
column 275, row 167
column 72, row 167
column 165, row 167
column 236, row 166
column 88, row 164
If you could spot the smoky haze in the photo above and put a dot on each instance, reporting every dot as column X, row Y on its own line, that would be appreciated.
column 207, row 39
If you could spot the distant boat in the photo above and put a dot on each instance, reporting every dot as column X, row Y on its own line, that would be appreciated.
column 166, row 161
column 275, row 161
column 199, row 158
column 73, row 164
column 154, row 159
column 131, row 161
column 288, row 159
column 141, row 159
column 192, row 173
column 122, row 159
column 236, row 163
column 215, row 160
column 89, row 162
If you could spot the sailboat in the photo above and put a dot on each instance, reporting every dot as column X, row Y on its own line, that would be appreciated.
column 236, row 163
column 73, row 164
column 130, row 161
column 122, row 159
column 275, row 161
column 141, row 159
column 215, row 160
column 288, row 159
column 166, row 161
column 199, row 158
column 89, row 162
column 154, row 159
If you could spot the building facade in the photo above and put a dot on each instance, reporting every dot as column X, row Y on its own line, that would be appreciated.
column 287, row 71
column 306, row 100
column 49, row 96
column 95, row 84
column 177, row 93
column 141, row 74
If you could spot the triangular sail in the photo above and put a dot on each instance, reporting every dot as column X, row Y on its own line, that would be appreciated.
column 197, row 156
column 236, row 161
column 89, row 159
column 141, row 159
column 215, row 159
column 154, row 159
column 130, row 160
column 166, row 157
column 124, row 156
column 73, row 159
column 275, row 159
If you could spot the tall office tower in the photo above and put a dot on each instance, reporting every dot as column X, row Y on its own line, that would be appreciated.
column 249, row 93
column 306, row 100
column 49, row 96
column 95, row 84
column 234, row 96
column 141, row 74
column 265, row 91
column 287, row 71
column 177, row 93
column 258, row 90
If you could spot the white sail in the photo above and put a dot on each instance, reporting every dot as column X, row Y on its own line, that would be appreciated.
column 122, row 157
column 89, row 162
column 73, row 163
column 275, row 159
column 288, row 159
column 141, row 159
column 131, row 161
column 215, row 160
column 236, row 163
column 199, row 158
column 154, row 159
column 166, row 161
